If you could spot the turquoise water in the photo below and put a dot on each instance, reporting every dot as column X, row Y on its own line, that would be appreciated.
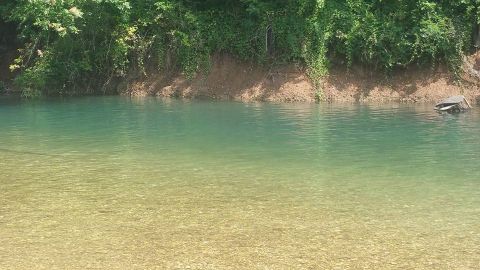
column 118, row 183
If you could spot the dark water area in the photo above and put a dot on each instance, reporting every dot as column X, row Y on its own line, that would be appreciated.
column 115, row 183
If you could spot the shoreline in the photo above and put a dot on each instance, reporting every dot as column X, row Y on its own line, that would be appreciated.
column 230, row 79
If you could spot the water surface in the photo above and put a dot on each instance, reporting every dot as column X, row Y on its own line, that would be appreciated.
column 118, row 183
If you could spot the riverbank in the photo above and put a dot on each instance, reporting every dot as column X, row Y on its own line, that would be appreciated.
column 230, row 79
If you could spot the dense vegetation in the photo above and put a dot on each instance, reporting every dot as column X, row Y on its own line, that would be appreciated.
column 89, row 44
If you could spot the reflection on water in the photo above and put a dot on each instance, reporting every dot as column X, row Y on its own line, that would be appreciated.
column 115, row 183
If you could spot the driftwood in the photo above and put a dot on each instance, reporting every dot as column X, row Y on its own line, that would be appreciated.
column 453, row 104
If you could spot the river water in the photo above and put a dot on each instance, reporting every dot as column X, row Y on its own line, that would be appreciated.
column 119, row 183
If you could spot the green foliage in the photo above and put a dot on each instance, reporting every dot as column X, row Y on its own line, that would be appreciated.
column 80, row 44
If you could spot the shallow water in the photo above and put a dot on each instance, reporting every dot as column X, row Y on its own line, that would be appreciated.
column 118, row 183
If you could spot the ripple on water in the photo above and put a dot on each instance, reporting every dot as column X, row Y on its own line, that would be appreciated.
column 145, row 183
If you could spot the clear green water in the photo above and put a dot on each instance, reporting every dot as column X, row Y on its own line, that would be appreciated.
column 117, row 183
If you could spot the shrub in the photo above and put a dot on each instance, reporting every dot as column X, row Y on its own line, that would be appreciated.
column 85, row 44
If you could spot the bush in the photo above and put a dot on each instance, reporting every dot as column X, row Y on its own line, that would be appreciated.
column 86, row 44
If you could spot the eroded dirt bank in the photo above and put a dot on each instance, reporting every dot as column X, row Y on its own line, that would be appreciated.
column 235, row 80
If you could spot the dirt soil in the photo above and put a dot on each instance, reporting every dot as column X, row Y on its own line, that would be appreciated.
column 412, row 85
column 231, row 79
